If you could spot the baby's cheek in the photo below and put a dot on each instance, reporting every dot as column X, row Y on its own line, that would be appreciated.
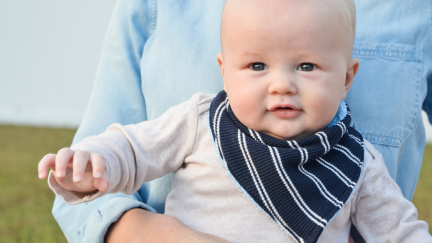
column 241, row 99
column 244, row 110
column 326, row 96
column 240, row 106
column 323, row 108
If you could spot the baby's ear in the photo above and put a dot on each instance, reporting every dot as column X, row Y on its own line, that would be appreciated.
column 220, row 61
column 219, row 58
column 350, row 74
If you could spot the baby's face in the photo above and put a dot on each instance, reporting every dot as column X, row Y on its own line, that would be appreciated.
column 286, row 66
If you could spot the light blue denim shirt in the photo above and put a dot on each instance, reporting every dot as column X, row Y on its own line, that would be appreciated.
column 158, row 53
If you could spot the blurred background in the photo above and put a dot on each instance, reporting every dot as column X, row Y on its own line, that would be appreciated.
column 49, row 52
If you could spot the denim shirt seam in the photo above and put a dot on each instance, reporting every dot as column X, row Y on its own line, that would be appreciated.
column 430, row 16
column 153, row 16
column 414, row 55
column 416, row 115
column 371, row 138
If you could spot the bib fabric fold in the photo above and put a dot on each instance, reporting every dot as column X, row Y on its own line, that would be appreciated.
column 300, row 184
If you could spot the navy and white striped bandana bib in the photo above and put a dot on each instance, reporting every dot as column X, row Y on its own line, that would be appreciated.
column 300, row 184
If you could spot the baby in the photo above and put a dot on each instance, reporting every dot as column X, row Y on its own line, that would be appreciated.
column 273, row 157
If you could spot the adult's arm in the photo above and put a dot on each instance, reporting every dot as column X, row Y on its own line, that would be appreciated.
column 116, row 97
column 427, row 66
column 159, row 228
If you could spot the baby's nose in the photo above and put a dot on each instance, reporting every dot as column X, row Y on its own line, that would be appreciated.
column 283, row 84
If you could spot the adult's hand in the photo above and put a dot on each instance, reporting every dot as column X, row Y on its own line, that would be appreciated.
column 138, row 225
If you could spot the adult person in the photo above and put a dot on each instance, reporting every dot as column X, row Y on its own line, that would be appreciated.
column 158, row 53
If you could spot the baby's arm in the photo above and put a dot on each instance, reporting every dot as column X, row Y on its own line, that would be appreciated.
column 381, row 213
column 131, row 155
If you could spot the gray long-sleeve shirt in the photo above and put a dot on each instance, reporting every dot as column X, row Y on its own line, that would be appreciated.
column 206, row 198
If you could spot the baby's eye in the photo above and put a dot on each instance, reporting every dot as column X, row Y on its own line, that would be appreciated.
column 306, row 67
column 258, row 66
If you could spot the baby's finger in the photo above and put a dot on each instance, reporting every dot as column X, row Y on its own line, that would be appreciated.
column 46, row 162
column 64, row 156
column 98, row 163
column 102, row 184
column 80, row 161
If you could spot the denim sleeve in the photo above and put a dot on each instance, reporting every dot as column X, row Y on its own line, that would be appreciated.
column 116, row 97
column 427, row 103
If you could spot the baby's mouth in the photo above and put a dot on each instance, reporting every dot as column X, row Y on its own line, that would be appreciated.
column 284, row 108
column 286, row 111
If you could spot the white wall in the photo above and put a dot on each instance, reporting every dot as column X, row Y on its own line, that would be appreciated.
column 49, row 51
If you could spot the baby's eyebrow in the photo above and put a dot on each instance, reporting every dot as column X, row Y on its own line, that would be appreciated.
column 251, row 54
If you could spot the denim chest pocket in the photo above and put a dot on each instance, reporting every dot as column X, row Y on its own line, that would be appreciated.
column 385, row 96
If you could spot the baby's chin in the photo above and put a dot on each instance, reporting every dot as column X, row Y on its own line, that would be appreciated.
column 289, row 137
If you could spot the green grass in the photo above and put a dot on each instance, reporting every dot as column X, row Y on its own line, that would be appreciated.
column 423, row 193
column 26, row 201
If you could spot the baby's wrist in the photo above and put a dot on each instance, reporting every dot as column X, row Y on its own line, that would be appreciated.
column 84, row 194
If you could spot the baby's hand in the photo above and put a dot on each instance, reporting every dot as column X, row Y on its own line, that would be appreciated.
column 80, row 171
